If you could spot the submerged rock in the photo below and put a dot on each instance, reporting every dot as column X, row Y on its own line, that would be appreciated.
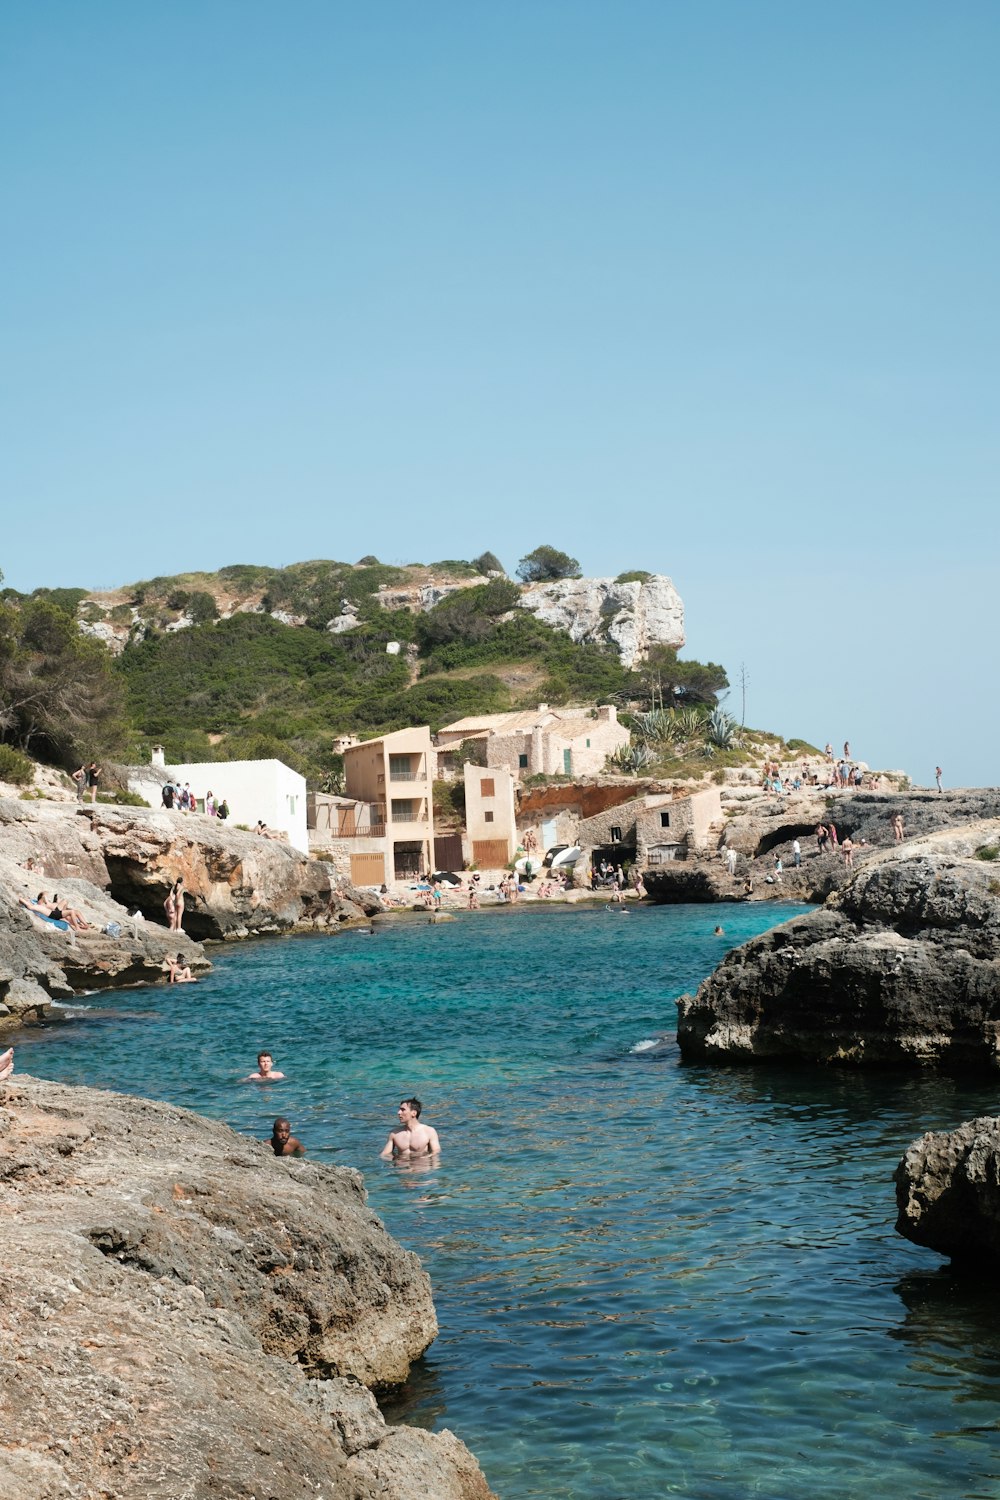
column 168, row 1288
column 898, row 968
column 948, row 1192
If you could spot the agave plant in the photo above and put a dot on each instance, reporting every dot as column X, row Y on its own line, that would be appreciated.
column 690, row 723
column 657, row 727
column 630, row 758
column 722, row 731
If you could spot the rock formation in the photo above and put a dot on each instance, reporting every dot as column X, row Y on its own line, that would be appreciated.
column 948, row 1192
column 899, row 968
column 632, row 616
column 169, row 1287
column 108, row 861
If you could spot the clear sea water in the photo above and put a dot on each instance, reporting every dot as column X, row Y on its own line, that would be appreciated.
column 652, row 1278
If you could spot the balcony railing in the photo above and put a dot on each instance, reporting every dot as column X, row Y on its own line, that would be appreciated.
column 372, row 831
column 407, row 776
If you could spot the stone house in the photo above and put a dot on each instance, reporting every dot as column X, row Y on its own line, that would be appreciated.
column 552, row 742
column 655, row 828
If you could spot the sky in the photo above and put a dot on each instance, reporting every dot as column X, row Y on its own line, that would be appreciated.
column 706, row 289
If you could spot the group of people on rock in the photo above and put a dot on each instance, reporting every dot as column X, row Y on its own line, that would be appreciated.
column 183, row 800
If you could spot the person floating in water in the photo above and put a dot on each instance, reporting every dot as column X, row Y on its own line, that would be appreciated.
column 718, row 932
column 412, row 1138
column 283, row 1143
column 265, row 1070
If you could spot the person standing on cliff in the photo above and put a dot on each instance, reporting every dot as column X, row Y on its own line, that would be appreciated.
column 283, row 1143
column 93, row 777
column 938, row 773
column 80, row 777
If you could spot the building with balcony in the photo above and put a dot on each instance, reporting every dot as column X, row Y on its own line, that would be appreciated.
column 382, row 829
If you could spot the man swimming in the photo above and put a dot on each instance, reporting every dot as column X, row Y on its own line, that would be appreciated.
column 412, row 1138
column 283, row 1143
column 265, row 1070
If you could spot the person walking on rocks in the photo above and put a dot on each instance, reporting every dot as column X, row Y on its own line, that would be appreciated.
column 93, row 777
column 847, row 849
column 80, row 777
column 731, row 858
column 822, row 838
column 796, row 853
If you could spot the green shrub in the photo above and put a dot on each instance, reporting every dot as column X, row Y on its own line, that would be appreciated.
column 988, row 852
column 15, row 767
column 802, row 747
column 637, row 575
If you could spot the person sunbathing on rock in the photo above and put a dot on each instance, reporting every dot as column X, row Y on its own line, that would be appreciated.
column 180, row 972
column 283, row 1143
column 6, row 1063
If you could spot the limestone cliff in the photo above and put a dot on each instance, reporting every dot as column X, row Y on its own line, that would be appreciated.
column 632, row 616
column 168, row 1288
column 899, row 968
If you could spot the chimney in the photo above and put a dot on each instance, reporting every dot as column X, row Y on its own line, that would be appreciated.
column 543, row 708
column 607, row 713
column 157, row 757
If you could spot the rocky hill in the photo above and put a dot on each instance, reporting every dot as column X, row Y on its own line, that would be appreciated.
column 631, row 613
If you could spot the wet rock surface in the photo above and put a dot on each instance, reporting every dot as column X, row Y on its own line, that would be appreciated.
column 170, row 1286
column 948, row 1192
column 899, row 968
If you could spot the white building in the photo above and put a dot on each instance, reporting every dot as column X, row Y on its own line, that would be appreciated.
column 256, row 790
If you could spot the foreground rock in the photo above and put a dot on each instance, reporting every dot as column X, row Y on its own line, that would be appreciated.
column 898, row 968
column 110, row 862
column 169, row 1286
column 948, row 1192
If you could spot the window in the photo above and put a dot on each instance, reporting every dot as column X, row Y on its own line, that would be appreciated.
column 664, row 820
column 588, row 744
column 291, row 806
column 616, row 835
column 402, row 810
column 487, row 817
column 567, row 761
column 486, row 788
column 522, row 762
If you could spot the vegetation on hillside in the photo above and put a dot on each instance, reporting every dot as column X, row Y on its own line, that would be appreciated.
column 243, row 684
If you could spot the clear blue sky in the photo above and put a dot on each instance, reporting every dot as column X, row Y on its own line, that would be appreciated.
column 708, row 289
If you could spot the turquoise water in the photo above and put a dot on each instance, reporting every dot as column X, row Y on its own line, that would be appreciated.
column 652, row 1278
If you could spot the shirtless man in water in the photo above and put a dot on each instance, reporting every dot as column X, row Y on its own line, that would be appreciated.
column 412, row 1138
column 265, row 1070
column 283, row 1143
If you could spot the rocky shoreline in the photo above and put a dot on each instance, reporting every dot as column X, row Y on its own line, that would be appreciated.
column 898, row 968
column 182, row 1313
column 112, row 862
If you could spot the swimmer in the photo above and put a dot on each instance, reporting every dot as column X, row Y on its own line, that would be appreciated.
column 412, row 1138
column 6, row 1063
column 718, row 932
column 265, row 1070
column 283, row 1143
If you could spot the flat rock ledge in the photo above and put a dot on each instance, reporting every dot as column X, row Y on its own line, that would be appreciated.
column 899, row 968
column 183, row 1314
column 948, row 1192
